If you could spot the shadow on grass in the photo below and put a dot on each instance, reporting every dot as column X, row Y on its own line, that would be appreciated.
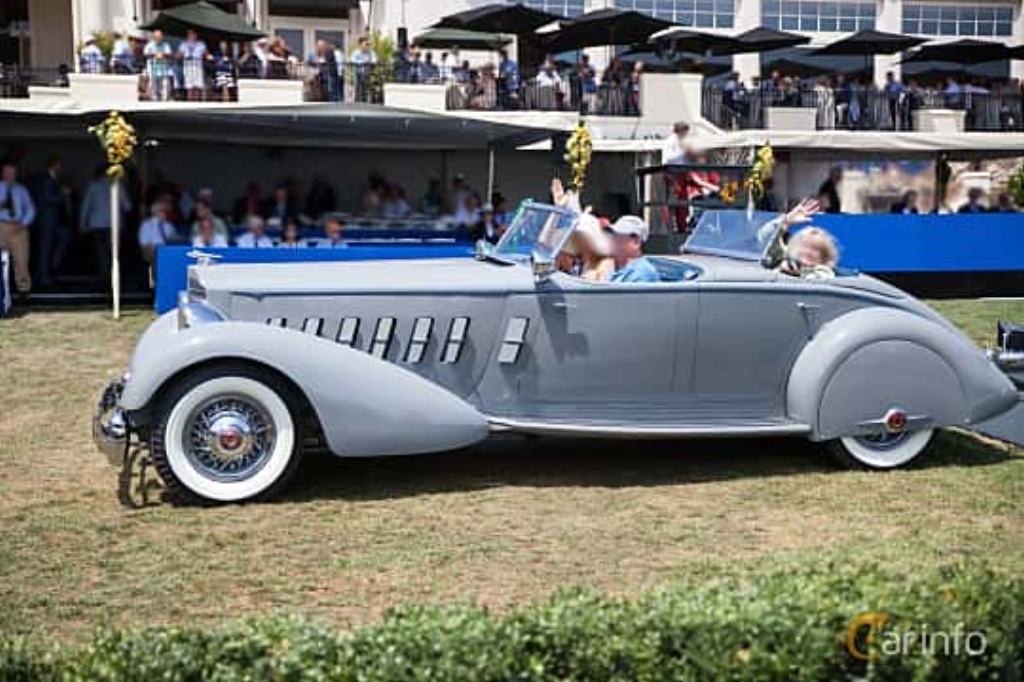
column 545, row 462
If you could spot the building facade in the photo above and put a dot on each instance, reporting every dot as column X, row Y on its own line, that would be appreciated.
column 46, row 33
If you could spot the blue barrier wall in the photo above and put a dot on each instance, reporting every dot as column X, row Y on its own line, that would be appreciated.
column 928, row 243
column 988, row 242
column 172, row 261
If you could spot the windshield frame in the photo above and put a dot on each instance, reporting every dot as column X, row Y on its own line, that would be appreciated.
column 765, row 241
column 513, row 256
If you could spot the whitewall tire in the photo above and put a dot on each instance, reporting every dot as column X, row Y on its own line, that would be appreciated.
column 226, row 434
column 888, row 451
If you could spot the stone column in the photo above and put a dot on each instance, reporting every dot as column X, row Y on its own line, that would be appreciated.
column 748, row 16
column 889, row 18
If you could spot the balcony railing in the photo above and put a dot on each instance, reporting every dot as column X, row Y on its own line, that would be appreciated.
column 864, row 109
column 15, row 80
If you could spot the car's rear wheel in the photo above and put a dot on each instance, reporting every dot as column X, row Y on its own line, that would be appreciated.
column 226, row 434
column 882, row 451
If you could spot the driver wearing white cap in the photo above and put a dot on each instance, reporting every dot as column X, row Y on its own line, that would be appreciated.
column 628, row 236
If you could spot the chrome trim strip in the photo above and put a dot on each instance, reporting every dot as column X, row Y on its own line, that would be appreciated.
column 499, row 424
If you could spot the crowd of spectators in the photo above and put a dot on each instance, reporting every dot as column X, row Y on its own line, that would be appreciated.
column 857, row 103
column 47, row 216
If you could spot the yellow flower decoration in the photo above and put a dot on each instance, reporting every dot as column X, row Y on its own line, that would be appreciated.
column 760, row 171
column 117, row 137
column 579, row 150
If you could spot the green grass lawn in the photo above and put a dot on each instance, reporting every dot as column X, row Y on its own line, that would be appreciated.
column 501, row 523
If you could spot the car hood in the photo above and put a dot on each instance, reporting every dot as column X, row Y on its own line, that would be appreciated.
column 434, row 276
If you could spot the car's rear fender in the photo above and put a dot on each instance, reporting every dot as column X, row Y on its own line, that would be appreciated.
column 863, row 363
column 365, row 406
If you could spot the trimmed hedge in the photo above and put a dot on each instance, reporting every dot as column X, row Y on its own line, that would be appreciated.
column 786, row 625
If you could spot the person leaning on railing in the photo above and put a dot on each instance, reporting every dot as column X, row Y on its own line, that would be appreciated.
column 158, row 55
column 91, row 57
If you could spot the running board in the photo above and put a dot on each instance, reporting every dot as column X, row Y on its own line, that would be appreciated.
column 601, row 429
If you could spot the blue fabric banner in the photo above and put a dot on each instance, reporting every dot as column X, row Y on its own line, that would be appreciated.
column 172, row 261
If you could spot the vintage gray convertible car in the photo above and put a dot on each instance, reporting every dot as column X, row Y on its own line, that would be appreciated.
column 262, row 362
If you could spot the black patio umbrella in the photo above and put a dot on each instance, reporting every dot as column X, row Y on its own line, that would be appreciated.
column 794, row 68
column 517, row 19
column 444, row 38
column 869, row 43
column 1017, row 52
column 764, row 39
column 205, row 18
column 603, row 27
column 679, row 39
column 965, row 51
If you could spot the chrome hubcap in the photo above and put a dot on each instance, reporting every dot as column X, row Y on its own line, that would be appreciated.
column 229, row 438
column 883, row 441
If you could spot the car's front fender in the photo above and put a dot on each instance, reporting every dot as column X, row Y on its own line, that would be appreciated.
column 365, row 406
column 862, row 363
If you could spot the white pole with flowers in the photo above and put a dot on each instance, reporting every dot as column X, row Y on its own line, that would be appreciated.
column 118, row 140
column 579, row 149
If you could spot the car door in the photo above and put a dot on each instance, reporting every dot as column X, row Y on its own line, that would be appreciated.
column 595, row 351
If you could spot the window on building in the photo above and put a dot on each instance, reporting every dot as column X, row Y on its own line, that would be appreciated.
column 696, row 13
column 948, row 19
column 565, row 8
column 818, row 15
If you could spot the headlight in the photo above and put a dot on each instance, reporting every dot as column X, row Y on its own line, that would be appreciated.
column 192, row 313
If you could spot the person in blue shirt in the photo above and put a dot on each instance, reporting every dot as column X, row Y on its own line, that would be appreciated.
column 631, row 266
column 16, row 214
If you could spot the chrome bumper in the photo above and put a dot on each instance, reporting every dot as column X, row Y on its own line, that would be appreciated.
column 110, row 428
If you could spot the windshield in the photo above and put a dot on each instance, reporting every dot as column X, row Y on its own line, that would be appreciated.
column 539, row 230
column 737, row 234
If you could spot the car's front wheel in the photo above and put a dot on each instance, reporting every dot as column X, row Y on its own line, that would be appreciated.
column 882, row 451
column 226, row 434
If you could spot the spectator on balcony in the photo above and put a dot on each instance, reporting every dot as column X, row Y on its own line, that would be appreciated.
column 193, row 55
column 256, row 236
column 548, row 76
column 225, row 74
column 280, row 59
column 952, row 94
column 586, row 78
column 206, row 235
column 279, row 208
column 975, row 201
column 431, row 74
column 17, row 212
column 156, row 230
column 633, row 103
column 204, row 211
column 252, row 61
column 484, row 88
column 895, row 94
column 907, row 205
column 91, row 56
column 122, row 55
column 734, row 101
column 94, row 219
column 449, row 64
column 416, row 65
column 363, row 61
column 51, row 196
column 159, row 66
column 327, row 81
column 508, row 81
column 467, row 213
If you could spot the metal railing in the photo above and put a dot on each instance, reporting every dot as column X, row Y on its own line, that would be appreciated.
column 864, row 109
column 16, row 80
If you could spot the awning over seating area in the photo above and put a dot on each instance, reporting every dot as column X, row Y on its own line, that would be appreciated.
column 349, row 126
